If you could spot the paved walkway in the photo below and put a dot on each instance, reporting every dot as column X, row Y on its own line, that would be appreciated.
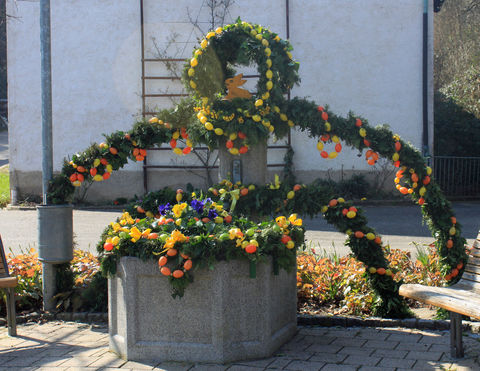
column 72, row 346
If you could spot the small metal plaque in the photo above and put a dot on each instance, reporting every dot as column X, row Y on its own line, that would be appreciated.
column 236, row 171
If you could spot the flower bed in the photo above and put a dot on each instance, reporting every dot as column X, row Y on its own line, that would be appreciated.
column 184, row 235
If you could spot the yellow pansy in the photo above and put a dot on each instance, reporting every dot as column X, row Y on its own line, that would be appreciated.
column 146, row 232
column 281, row 221
column 293, row 219
column 135, row 234
column 178, row 209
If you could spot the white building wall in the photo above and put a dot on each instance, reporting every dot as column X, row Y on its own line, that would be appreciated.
column 359, row 55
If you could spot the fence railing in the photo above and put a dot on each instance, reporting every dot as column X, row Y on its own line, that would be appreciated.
column 458, row 176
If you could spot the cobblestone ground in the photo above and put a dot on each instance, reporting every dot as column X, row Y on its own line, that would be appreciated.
column 72, row 346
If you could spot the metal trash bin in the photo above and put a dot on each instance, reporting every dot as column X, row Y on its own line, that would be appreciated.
column 55, row 233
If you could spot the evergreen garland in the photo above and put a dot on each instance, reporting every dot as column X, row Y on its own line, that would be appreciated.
column 206, row 118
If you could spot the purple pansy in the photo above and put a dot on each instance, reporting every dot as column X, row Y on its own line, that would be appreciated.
column 164, row 208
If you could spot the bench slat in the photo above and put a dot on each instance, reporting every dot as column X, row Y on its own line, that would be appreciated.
column 471, row 277
column 474, row 269
column 469, row 285
column 475, row 252
column 3, row 271
column 8, row 282
column 472, row 260
column 454, row 299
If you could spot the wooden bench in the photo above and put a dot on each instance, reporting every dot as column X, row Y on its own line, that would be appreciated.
column 8, row 283
column 462, row 298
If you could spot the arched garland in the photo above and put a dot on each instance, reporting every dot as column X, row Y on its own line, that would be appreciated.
column 99, row 160
column 242, row 121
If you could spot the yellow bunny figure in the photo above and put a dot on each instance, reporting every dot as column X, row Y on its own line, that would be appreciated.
column 233, row 89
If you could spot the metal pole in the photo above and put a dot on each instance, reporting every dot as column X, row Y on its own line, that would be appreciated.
column 425, row 146
column 48, row 273
column 46, row 75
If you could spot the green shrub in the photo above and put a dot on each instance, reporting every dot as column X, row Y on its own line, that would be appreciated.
column 4, row 186
column 355, row 187
column 457, row 131
column 465, row 90
column 95, row 295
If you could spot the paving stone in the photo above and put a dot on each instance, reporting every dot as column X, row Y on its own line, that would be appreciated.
column 431, row 356
column 413, row 346
column 58, row 350
column 50, row 361
column 372, row 335
column 236, row 368
column 79, row 362
column 303, row 366
column 435, row 339
column 209, row 367
column 349, row 342
column 374, row 368
column 87, row 352
column 299, row 346
column 298, row 337
column 295, row 355
column 107, row 361
column 389, row 353
column 409, row 338
column 335, row 367
column 473, row 363
column 342, row 333
column 328, row 357
column 279, row 363
column 6, row 359
column 318, row 348
column 431, row 365
column 315, row 331
column 143, row 365
column 381, row 344
column 361, row 360
column 178, row 366
column 256, row 363
column 326, row 339
column 20, row 361
column 464, row 368
column 396, row 362
column 362, row 351
column 445, row 348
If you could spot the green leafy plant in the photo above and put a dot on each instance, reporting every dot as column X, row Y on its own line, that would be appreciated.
column 28, row 271
column 80, row 285
column 341, row 284
column 198, row 234
column 4, row 186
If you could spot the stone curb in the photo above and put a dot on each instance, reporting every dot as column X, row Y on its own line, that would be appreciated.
column 84, row 317
column 302, row 320
column 416, row 323
column 75, row 207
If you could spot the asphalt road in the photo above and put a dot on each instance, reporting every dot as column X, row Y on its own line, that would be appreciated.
column 3, row 147
column 400, row 226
